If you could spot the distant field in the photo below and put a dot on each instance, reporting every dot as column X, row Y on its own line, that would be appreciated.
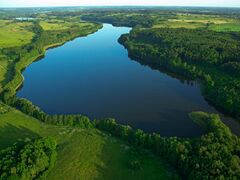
column 83, row 154
column 61, row 25
column 203, row 18
column 54, row 25
column 14, row 33
column 178, row 24
column 235, row 27
column 190, row 21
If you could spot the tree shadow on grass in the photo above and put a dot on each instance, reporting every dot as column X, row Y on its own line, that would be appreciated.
column 9, row 74
column 9, row 134
column 109, row 155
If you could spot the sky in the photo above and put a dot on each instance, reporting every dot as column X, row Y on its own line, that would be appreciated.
column 43, row 3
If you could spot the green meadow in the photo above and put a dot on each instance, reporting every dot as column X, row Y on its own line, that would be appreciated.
column 14, row 33
column 210, row 22
column 87, row 153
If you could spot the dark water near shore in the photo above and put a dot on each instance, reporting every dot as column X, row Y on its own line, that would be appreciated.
column 94, row 76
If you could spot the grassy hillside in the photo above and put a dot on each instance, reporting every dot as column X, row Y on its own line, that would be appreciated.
column 83, row 153
column 55, row 25
column 14, row 33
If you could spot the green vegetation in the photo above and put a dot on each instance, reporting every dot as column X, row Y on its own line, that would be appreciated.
column 86, row 153
column 27, row 159
column 193, row 21
column 14, row 60
column 228, row 27
column 14, row 33
column 166, row 19
column 214, row 155
column 56, row 25
column 198, row 44
column 121, row 19
column 92, row 154
column 197, row 54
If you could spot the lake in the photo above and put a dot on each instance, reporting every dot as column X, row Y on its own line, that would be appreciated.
column 94, row 76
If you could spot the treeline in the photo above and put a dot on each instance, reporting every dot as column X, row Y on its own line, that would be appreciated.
column 29, row 159
column 121, row 19
column 30, row 109
column 196, row 46
column 21, row 57
column 211, row 156
column 214, row 155
column 197, row 54
column 232, row 68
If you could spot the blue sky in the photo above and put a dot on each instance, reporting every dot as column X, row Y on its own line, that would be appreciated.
column 34, row 3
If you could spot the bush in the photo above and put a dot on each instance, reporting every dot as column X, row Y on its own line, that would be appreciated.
column 28, row 159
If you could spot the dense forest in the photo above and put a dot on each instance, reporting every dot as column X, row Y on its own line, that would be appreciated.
column 214, row 155
column 121, row 19
column 210, row 56
column 28, row 159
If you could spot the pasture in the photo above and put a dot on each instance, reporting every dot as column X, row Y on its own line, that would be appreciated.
column 84, row 153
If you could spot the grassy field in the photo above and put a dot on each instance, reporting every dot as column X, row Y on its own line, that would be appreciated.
column 83, row 154
column 14, row 33
column 228, row 27
column 52, row 25
column 178, row 24
column 191, row 21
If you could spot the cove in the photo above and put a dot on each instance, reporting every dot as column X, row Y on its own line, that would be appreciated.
column 94, row 76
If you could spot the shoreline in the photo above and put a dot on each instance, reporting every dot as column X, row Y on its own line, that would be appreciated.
column 40, row 56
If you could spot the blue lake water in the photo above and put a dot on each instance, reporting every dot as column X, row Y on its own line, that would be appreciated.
column 94, row 76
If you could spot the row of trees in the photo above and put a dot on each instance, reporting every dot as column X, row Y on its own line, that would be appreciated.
column 211, row 156
column 30, row 109
column 214, row 155
column 120, row 18
column 29, row 159
column 200, row 46
column 197, row 54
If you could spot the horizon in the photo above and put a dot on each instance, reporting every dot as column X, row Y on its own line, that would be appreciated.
column 114, row 6
column 117, row 3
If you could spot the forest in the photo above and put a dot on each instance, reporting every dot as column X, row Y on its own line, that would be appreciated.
column 28, row 159
column 197, row 54
column 200, row 46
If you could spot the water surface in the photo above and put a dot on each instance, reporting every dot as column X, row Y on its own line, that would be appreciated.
column 94, row 76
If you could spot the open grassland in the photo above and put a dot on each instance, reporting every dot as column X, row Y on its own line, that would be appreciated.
column 14, row 34
column 55, row 25
column 191, row 21
column 203, row 18
column 228, row 27
column 52, row 25
column 83, row 153
column 178, row 24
